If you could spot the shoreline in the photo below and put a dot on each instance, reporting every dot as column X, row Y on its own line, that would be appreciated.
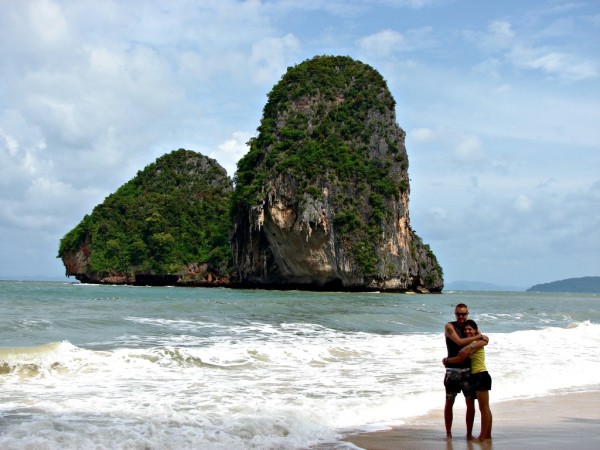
column 566, row 420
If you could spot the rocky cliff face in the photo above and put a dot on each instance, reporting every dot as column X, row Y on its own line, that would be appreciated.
column 321, row 200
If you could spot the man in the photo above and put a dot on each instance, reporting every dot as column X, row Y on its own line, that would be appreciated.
column 458, row 374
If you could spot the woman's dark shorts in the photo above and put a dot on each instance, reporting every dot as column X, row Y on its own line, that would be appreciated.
column 481, row 381
column 457, row 380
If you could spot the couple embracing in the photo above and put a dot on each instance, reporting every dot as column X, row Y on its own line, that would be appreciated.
column 466, row 372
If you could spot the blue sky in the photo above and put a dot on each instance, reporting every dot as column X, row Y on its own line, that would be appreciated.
column 500, row 102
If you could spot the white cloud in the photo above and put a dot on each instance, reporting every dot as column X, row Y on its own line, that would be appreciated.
column 20, row 148
column 565, row 66
column 502, row 31
column 382, row 44
column 554, row 226
column 521, row 51
column 269, row 55
column 594, row 19
column 523, row 203
column 229, row 152
column 388, row 42
column 469, row 149
column 489, row 68
column 458, row 148
column 106, row 62
column 9, row 143
column 48, row 20
column 498, row 36
column 423, row 134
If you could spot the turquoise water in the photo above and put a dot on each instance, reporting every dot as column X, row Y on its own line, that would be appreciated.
column 140, row 367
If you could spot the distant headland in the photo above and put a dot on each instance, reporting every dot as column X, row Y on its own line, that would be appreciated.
column 583, row 284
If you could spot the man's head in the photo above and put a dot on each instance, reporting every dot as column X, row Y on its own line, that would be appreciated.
column 462, row 313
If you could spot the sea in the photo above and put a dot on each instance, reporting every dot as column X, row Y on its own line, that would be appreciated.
column 122, row 367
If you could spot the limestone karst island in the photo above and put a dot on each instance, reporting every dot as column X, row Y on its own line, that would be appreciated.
column 319, row 202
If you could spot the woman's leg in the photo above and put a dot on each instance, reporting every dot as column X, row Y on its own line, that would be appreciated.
column 483, row 398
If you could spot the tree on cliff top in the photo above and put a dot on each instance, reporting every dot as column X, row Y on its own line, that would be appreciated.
column 173, row 214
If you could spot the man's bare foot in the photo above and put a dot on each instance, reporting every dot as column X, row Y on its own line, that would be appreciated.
column 470, row 437
column 448, row 435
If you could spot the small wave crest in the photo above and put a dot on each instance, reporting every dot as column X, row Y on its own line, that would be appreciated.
column 62, row 358
column 175, row 357
column 27, row 362
column 585, row 323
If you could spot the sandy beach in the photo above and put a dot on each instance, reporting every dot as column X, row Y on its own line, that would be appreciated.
column 570, row 420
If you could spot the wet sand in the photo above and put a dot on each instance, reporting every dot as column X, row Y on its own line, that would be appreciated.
column 569, row 420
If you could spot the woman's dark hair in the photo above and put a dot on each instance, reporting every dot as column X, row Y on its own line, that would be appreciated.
column 471, row 323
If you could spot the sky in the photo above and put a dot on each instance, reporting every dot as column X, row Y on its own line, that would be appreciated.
column 500, row 101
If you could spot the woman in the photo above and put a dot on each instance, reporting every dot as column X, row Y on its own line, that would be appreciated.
column 480, row 378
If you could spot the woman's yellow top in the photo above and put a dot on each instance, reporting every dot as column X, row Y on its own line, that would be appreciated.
column 478, row 361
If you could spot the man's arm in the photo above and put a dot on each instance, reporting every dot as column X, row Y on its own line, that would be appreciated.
column 456, row 359
column 452, row 334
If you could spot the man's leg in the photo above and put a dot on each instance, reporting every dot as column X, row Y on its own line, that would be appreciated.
column 452, row 389
column 470, row 416
column 448, row 415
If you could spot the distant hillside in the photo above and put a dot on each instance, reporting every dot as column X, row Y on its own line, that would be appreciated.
column 584, row 284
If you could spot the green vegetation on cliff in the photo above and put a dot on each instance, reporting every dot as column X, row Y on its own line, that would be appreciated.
column 173, row 214
column 317, row 122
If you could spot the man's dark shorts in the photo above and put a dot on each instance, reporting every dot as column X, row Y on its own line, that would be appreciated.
column 481, row 381
column 457, row 380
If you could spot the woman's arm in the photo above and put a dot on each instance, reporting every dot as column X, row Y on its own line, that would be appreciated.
column 466, row 351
